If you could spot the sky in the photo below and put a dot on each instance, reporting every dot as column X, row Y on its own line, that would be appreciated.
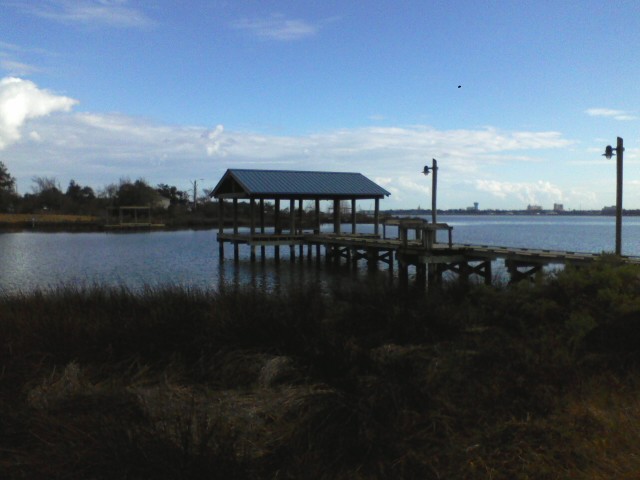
column 516, row 100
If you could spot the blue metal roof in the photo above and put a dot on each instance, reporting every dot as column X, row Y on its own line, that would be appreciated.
column 298, row 184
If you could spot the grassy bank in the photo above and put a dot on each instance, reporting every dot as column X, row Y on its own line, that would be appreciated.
column 532, row 381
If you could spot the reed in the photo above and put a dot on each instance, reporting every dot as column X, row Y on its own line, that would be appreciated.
column 528, row 381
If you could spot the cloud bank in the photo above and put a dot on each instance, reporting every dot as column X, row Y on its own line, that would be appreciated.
column 109, row 13
column 611, row 113
column 40, row 134
column 277, row 27
column 22, row 100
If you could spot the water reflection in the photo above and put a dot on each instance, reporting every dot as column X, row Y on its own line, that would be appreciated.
column 31, row 261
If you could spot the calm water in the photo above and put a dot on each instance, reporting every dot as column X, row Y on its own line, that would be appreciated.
column 31, row 261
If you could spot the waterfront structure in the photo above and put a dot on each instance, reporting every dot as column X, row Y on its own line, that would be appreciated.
column 415, row 246
column 258, row 186
column 130, row 218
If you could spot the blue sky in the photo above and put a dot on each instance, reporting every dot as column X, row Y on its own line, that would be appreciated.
column 97, row 90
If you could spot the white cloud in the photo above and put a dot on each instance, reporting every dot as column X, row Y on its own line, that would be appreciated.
column 277, row 27
column 611, row 113
column 213, row 140
column 21, row 100
column 527, row 192
column 14, row 67
column 110, row 13
column 97, row 149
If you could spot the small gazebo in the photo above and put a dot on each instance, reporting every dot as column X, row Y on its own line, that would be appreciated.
column 282, row 185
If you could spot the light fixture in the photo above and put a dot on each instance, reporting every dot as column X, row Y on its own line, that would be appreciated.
column 608, row 152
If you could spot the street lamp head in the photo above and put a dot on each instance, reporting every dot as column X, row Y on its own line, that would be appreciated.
column 426, row 170
column 608, row 152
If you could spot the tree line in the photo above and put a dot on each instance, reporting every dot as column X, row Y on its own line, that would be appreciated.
column 47, row 195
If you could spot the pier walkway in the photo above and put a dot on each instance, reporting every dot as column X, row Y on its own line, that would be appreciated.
column 431, row 259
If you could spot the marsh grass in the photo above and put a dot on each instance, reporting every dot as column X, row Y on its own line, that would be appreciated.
column 528, row 381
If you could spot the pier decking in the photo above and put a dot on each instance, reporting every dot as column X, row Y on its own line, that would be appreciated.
column 430, row 258
column 415, row 245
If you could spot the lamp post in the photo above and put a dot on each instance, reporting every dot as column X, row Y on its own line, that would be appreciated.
column 434, row 185
column 608, row 153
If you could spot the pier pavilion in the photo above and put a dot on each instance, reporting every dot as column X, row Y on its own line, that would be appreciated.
column 294, row 187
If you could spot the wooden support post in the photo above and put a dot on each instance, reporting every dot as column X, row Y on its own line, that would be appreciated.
column 262, row 248
column 252, row 223
column 235, row 215
column 487, row 273
column 353, row 215
column 372, row 259
column 220, row 228
column 434, row 274
column 376, row 216
column 276, row 226
column 292, row 228
column 421, row 273
column 236, row 247
column 336, row 216
column 403, row 272
column 300, row 212
column 317, row 225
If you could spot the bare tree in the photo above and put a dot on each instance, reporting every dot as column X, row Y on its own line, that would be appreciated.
column 43, row 184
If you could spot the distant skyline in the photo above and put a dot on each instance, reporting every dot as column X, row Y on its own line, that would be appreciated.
column 516, row 100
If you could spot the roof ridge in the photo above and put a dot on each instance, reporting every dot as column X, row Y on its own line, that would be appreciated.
column 290, row 171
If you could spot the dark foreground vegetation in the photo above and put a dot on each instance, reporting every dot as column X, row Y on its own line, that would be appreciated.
column 530, row 381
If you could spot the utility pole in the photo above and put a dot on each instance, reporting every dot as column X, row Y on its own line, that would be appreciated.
column 608, row 153
column 195, row 192
column 434, row 186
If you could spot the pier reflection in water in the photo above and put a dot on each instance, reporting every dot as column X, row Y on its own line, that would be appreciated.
column 31, row 261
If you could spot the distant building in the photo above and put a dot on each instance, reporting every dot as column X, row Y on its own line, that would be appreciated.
column 534, row 208
column 558, row 207
column 474, row 208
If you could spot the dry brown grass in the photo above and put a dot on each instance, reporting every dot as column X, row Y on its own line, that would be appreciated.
column 46, row 218
column 19, row 218
column 471, row 383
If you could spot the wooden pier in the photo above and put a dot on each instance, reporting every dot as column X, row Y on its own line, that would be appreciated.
column 416, row 244
column 430, row 258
